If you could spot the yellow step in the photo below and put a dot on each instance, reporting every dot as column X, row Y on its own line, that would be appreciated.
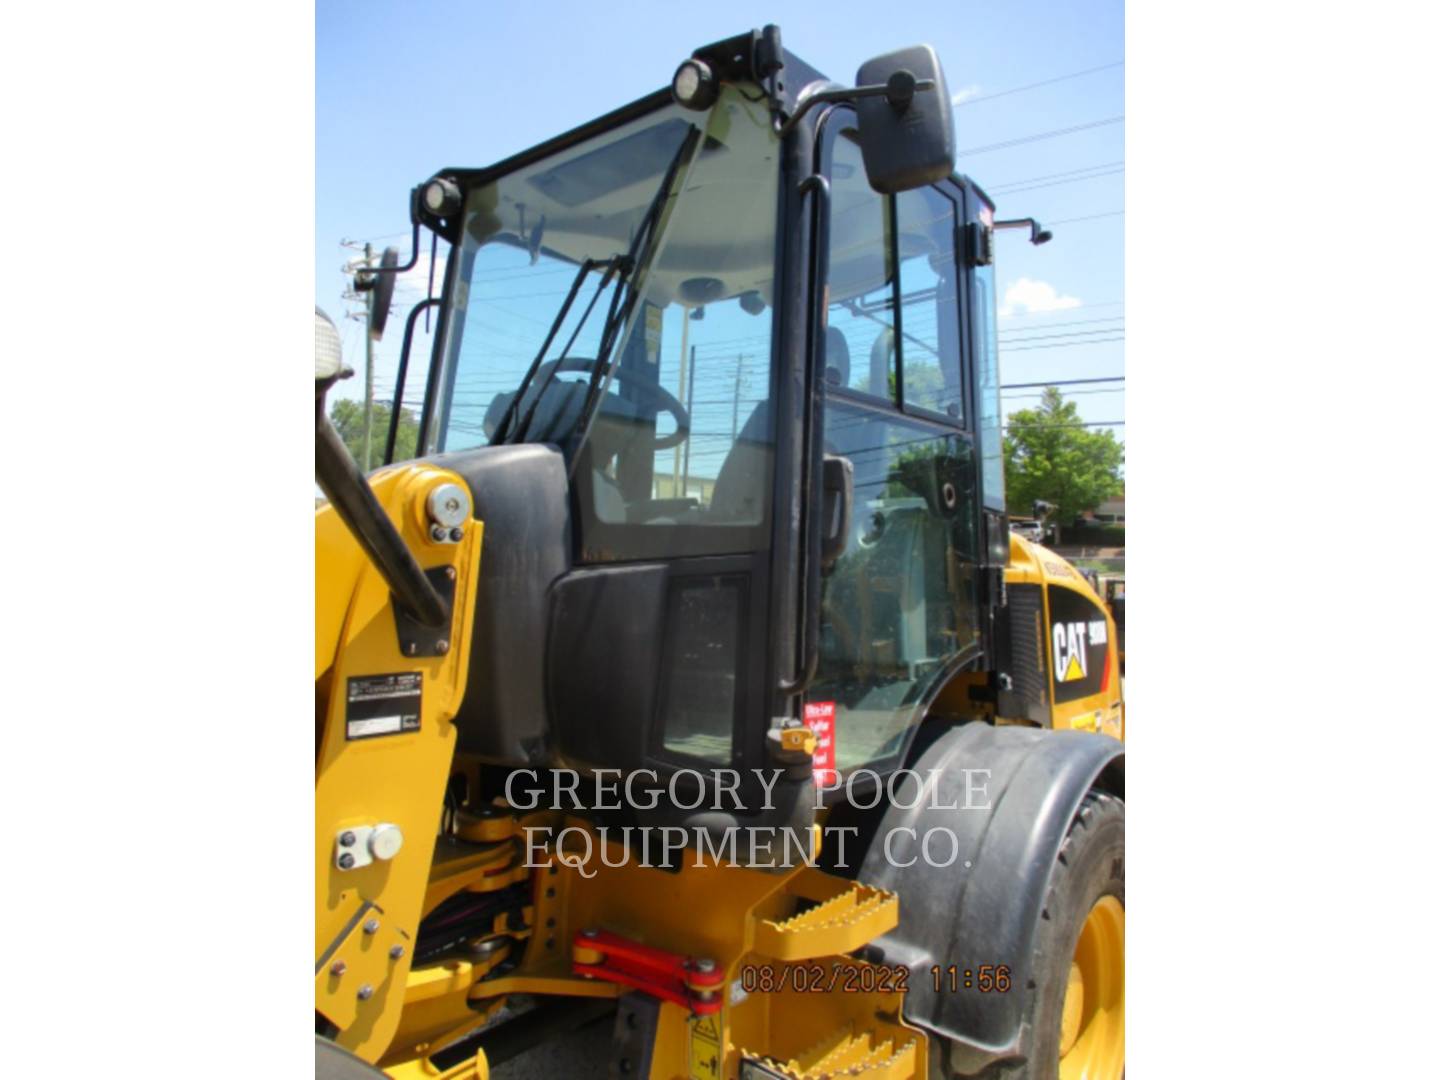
column 848, row 1053
column 853, row 916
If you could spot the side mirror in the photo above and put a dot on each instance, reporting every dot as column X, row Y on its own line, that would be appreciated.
column 383, row 292
column 837, row 499
column 907, row 135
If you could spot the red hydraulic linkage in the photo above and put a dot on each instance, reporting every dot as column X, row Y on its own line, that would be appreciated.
column 692, row 983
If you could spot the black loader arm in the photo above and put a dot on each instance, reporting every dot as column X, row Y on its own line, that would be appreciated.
column 1023, row 786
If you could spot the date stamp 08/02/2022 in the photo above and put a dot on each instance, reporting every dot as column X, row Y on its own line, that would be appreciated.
column 860, row 978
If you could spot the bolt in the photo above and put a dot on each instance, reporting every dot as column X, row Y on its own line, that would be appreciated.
column 371, row 925
column 705, row 995
column 365, row 992
column 442, row 647
column 411, row 648
column 346, row 861
column 337, row 968
column 705, row 964
column 452, row 504
column 439, row 533
column 549, row 924
column 450, row 572
column 347, row 838
column 397, row 951
column 457, row 535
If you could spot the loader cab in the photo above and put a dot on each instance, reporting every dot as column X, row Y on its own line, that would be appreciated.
column 657, row 332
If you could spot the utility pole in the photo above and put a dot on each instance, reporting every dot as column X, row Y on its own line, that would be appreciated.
column 369, row 358
column 735, row 413
column 366, row 263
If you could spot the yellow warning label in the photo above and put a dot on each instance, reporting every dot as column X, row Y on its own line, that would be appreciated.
column 1073, row 671
column 706, row 1061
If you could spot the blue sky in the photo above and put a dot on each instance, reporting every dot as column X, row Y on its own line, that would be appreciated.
column 403, row 89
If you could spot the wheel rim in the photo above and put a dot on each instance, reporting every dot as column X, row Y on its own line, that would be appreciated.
column 1092, row 1026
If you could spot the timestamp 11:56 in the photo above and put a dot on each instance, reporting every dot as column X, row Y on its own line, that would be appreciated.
column 987, row 978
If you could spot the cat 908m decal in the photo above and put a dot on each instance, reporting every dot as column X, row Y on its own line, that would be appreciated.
column 1079, row 646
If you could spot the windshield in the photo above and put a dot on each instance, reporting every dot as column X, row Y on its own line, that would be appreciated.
column 615, row 300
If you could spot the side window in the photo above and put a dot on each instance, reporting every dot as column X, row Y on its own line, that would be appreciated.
column 900, row 608
column 987, row 363
column 929, row 314
column 860, row 339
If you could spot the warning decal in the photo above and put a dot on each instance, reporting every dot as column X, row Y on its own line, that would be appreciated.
column 382, row 705
column 820, row 718
column 706, row 1061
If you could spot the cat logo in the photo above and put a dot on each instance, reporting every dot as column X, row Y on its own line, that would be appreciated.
column 1071, row 662
column 1072, row 647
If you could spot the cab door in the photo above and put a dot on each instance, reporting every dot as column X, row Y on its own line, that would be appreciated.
column 900, row 609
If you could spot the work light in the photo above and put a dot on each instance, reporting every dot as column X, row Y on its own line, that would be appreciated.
column 695, row 86
column 442, row 197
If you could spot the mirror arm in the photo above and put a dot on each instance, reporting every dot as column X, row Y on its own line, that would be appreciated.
column 424, row 305
column 365, row 279
column 843, row 94
column 1038, row 235
column 365, row 276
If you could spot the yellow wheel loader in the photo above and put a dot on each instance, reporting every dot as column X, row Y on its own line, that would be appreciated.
column 689, row 679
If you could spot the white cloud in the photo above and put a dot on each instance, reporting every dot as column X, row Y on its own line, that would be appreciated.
column 962, row 96
column 1028, row 297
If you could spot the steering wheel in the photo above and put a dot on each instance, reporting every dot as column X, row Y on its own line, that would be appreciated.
column 650, row 392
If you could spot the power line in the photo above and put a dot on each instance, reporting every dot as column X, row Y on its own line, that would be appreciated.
column 1032, row 314
column 1007, row 348
column 1038, row 136
column 1009, row 396
column 1072, row 176
column 1056, row 176
column 1042, row 82
column 1086, row 423
column 1071, row 334
column 1059, row 382
column 1057, row 325
column 1087, row 217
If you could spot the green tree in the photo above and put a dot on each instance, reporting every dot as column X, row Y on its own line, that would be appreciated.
column 1051, row 455
column 348, row 417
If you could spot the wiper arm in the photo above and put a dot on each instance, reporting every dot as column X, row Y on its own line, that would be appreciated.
column 612, row 266
column 641, row 248
column 585, row 267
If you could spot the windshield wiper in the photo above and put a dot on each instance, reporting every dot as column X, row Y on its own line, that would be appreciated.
column 641, row 248
column 622, row 270
column 585, row 267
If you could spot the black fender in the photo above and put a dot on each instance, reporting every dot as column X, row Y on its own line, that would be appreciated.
column 1025, row 786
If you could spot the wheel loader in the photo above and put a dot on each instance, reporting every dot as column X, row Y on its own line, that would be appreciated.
column 689, row 679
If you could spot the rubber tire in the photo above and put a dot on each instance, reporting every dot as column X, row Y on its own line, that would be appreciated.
column 1091, row 865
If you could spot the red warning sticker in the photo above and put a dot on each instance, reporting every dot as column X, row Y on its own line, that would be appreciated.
column 820, row 718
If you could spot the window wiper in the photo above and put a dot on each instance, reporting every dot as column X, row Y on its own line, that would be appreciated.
column 641, row 250
column 620, row 268
column 502, row 429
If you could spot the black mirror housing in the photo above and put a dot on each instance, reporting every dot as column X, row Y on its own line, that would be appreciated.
column 907, row 136
column 384, row 292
